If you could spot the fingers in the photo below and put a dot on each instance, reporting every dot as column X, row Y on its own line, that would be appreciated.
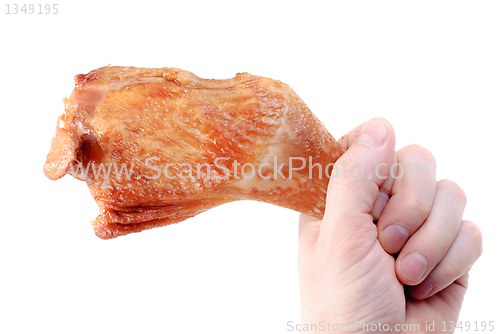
column 384, row 194
column 429, row 245
column 414, row 190
column 354, row 186
column 465, row 250
column 385, row 190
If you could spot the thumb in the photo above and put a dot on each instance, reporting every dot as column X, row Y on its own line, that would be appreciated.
column 354, row 186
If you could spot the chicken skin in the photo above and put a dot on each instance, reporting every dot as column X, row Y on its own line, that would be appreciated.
column 158, row 146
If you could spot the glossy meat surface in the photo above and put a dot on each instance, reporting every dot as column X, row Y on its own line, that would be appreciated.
column 158, row 146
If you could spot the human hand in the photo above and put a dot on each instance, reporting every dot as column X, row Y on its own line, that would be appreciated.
column 411, row 267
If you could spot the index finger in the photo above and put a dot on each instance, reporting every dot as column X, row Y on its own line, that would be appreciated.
column 412, row 197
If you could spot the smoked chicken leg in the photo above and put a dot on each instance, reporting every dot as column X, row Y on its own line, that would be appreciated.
column 158, row 146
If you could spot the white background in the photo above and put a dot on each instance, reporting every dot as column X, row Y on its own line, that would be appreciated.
column 431, row 68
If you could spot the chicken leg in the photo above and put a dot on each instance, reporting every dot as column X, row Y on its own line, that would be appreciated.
column 158, row 146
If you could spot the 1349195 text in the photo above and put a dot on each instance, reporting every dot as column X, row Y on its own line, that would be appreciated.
column 31, row 9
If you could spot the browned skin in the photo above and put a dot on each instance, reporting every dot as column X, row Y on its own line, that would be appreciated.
column 127, row 115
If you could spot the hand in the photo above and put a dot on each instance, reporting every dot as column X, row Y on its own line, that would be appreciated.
column 411, row 267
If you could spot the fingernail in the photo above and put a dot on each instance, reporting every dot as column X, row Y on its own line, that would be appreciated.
column 422, row 290
column 395, row 236
column 374, row 133
column 414, row 266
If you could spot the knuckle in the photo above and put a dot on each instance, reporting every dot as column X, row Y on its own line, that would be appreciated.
column 440, row 240
column 421, row 152
column 418, row 205
column 455, row 189
column 473, row 232
column 454, row 269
